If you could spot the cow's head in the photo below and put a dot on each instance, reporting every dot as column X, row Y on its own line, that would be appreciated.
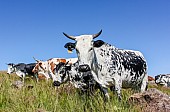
column 40, row 67
column 11, row 68
column 84, row 46
column 62, row 76
column 162, row 79
column 66, row 72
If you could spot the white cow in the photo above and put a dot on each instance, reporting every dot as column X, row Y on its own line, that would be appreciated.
column 109, row 65
column 22, row 70
column 163, row 79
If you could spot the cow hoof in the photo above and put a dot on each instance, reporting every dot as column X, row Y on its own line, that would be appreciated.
column 56, row 83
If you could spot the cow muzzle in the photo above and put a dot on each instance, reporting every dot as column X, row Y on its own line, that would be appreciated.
column 87, row 76
column 84, row 68
column 56, row 83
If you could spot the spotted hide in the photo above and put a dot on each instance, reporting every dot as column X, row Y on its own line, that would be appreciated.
column 69, row 72
column 163, row 79
column 47, row 68
column 22, row 70
column 109, row 65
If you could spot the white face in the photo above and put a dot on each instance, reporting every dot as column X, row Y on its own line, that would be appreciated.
column 84, row 49
column 11, row 69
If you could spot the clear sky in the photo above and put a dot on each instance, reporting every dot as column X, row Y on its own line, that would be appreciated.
column 34, row 28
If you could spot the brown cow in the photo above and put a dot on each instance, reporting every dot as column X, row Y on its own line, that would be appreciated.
column 47, row 68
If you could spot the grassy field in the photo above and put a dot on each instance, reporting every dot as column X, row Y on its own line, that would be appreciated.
column 43, row 97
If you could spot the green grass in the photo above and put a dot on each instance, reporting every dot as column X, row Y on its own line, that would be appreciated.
column 43, row 97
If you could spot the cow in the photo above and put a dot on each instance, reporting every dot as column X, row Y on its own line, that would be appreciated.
column 69, row 73
column 163, row 79
column 110, row 66
column 22, row 69
column 47, row 68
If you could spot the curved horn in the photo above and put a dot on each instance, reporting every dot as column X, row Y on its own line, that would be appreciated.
column 96, row 35
column 36, row 60
column 70, row 37
column 66, row 62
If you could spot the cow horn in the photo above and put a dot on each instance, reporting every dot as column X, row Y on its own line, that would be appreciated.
column 66, row 62
column 36, row 59
column 70, row 37
column 96, row 35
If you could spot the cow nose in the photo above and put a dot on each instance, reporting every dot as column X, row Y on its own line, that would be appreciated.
column 87, row 76
column 84, row 68
column 56, row 83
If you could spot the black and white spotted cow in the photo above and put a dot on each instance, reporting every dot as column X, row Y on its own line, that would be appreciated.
column 163, row 79
column 110, row 66
column 66, row 72
column 22, row 69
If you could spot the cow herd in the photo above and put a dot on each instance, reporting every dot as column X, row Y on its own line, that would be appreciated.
column 98, row 65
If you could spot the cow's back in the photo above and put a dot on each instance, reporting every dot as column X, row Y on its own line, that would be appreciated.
column 20, row 67
column 29, row 68
column 71, row 60
column 132, row 61
column 129, row 65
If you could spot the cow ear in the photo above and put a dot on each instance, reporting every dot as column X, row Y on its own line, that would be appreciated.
column 98, row 43
column 70, row 46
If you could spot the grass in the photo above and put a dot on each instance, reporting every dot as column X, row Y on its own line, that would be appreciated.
column 43, row 97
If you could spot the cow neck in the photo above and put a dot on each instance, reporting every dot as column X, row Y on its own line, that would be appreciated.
column 94, row 63
column 15, row 69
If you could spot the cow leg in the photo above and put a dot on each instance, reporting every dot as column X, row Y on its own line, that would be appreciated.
column 144, row 83
column 46, row 76
column 112, row 88
column 23, row 77
column 118, row 86
column 104, row 90
column 36, row 76
column 106, row 94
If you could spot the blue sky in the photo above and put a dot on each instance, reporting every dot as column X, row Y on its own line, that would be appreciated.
column 34, row 28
